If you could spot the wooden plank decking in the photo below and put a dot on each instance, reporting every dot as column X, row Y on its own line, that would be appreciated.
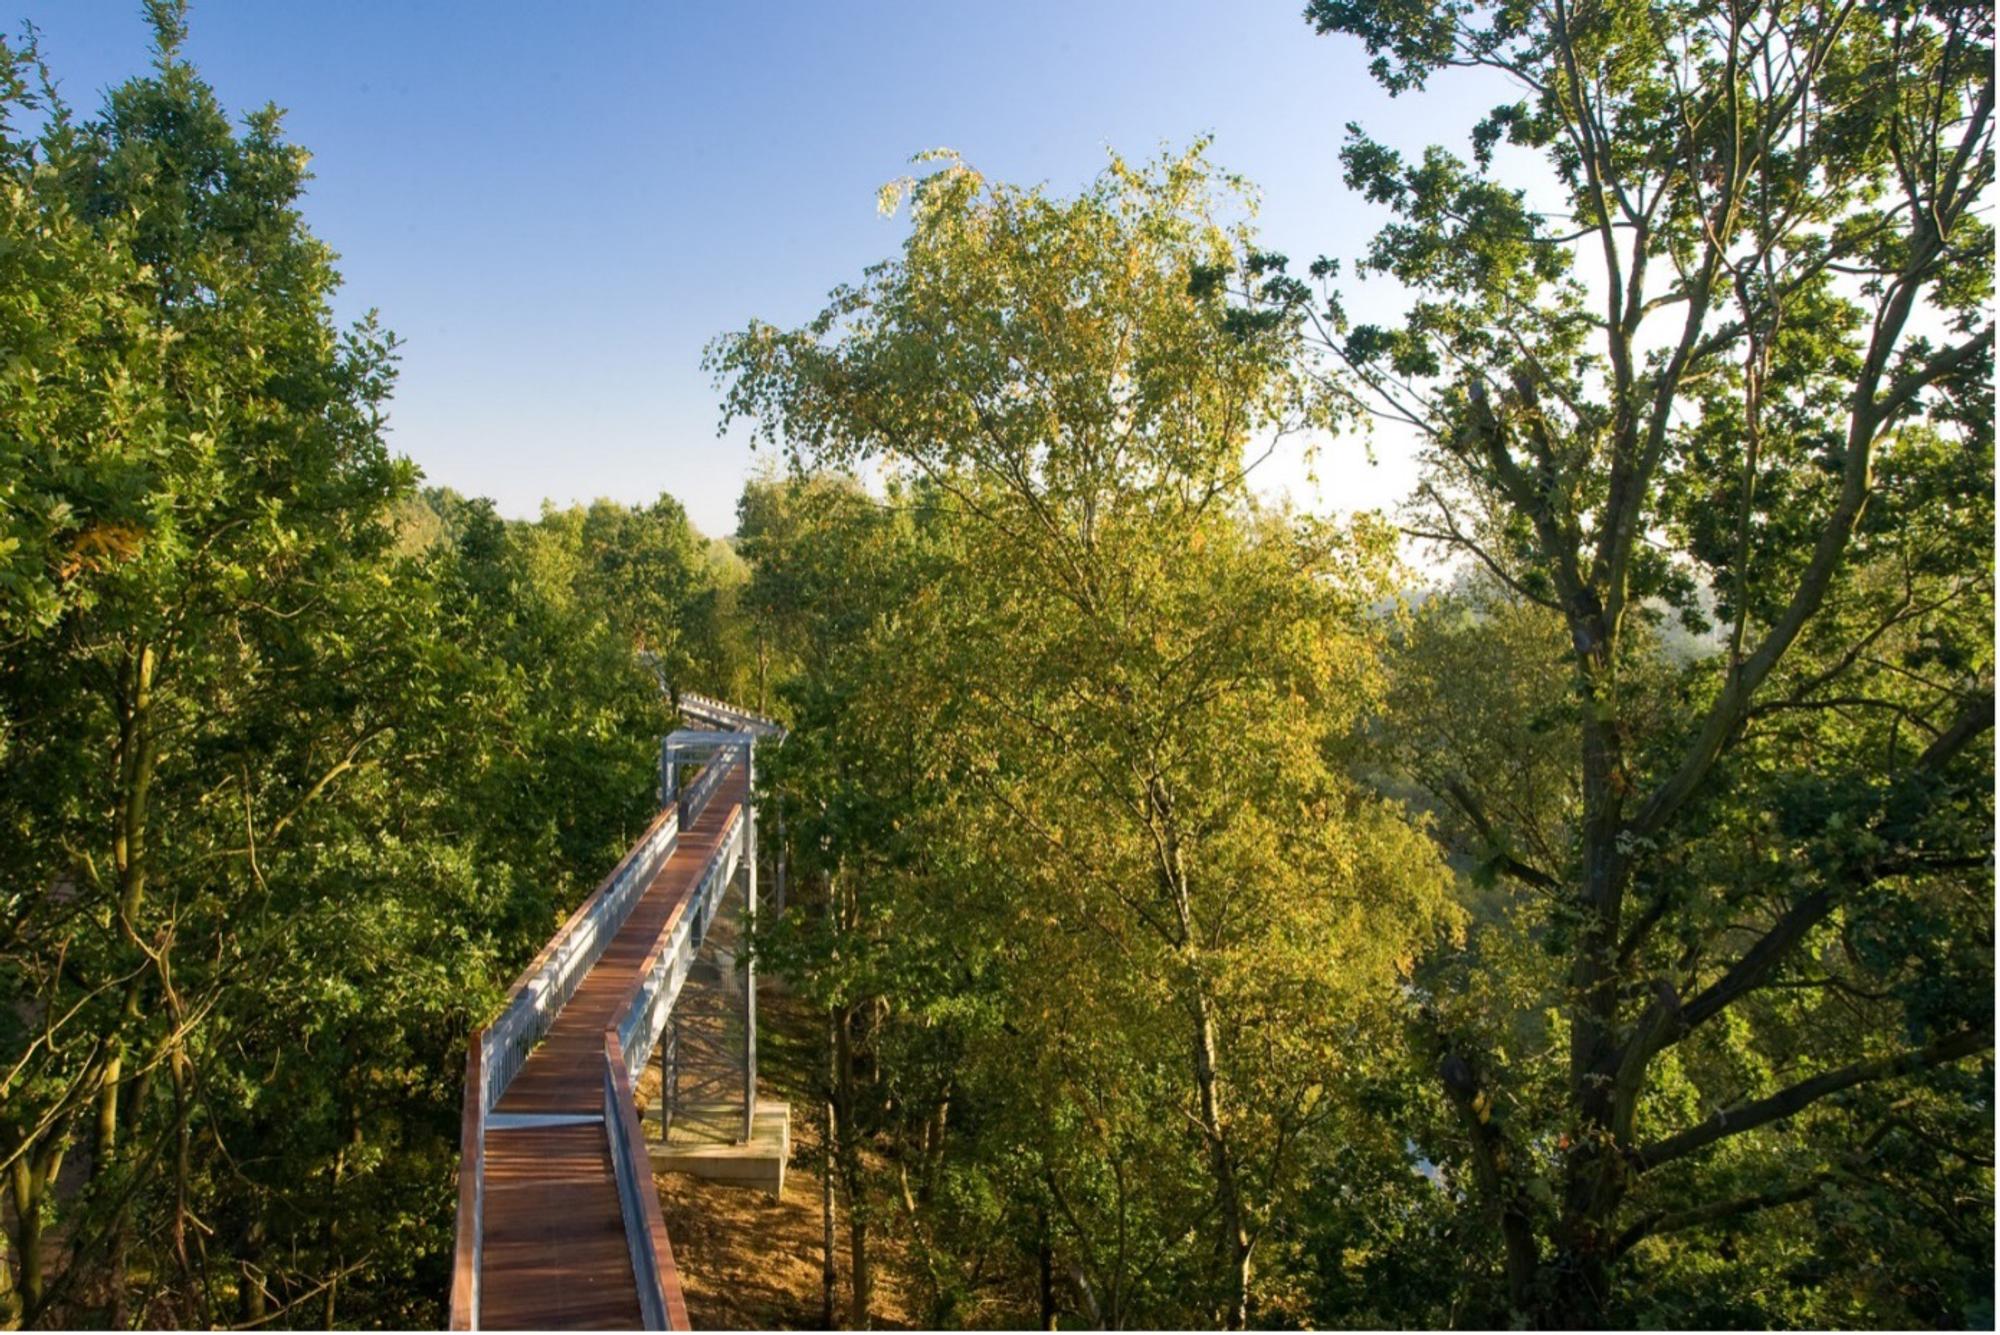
column 556, row 1257
column 556, row 1254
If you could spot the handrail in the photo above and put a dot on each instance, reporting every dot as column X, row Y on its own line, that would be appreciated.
column 469, row 1245
column 547, row 984
column 499, row 1048
column 661, row 1306
column 707, row 709
column 640, row 1018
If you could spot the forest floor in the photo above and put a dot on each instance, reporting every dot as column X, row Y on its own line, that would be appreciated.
column 747, row 1261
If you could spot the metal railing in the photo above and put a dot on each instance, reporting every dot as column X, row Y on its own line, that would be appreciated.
column 647, row 1006
column 693, row 799
column 657, row 1279
column 546, row 986
column 716, row 714
column 629, row 1041
column 498, row 1051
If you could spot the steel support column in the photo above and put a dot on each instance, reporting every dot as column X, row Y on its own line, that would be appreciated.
column 670, row 1075
column 749, row 952
column 668, row 755
column 778, row 865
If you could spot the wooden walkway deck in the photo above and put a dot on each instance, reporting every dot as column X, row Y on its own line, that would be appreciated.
column 556, row 1254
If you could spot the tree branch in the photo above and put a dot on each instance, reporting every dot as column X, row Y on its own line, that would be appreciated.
column 1489, row 1163
column 1662, row 1221
column 1907, row 386
column 1786, row 1102
column 1755, row 964
column 1502, row 859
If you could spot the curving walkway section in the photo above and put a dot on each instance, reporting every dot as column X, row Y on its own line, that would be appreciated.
column 559, row 1223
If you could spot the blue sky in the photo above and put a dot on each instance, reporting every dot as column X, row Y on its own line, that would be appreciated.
column 556, row 206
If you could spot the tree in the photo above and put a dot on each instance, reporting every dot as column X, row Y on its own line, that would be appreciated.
column 1736, row 375
column 838, row 581
column 649, row 571
column 1152, row 694
column 197, row 471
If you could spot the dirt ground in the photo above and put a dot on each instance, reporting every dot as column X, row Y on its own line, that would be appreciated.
column 748, row 1262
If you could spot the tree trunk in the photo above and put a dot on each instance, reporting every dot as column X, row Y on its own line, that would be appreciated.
column 137, row 756
column 333, row 1240
column 857, row 1246
column 1570, row 1289
column 30, row 1184
column 1235, row 1238
column 10, row 1297
column 848, row 1155
column 1045, row 1258
column 1573, row 1291
column 130, row 814
column 829, row 1274
column 252, row 1306
column 121, row 1226
column 106, row 1148
column 763, row 673
column 935, row 1127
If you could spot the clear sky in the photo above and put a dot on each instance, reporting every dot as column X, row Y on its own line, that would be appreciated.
column 557, row 205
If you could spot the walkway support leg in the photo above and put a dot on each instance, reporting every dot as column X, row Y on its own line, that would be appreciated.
column 750, row 955
column 669, row 771
column 778, row 864
column 670, row 1075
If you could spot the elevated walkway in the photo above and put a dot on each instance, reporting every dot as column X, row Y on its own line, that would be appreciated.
column 556, row 1254
column 559, row 1222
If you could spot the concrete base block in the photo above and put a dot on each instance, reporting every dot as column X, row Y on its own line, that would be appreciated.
column 703, row 1143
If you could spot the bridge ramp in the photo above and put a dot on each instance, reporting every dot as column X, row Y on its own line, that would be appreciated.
column 556, row 1254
